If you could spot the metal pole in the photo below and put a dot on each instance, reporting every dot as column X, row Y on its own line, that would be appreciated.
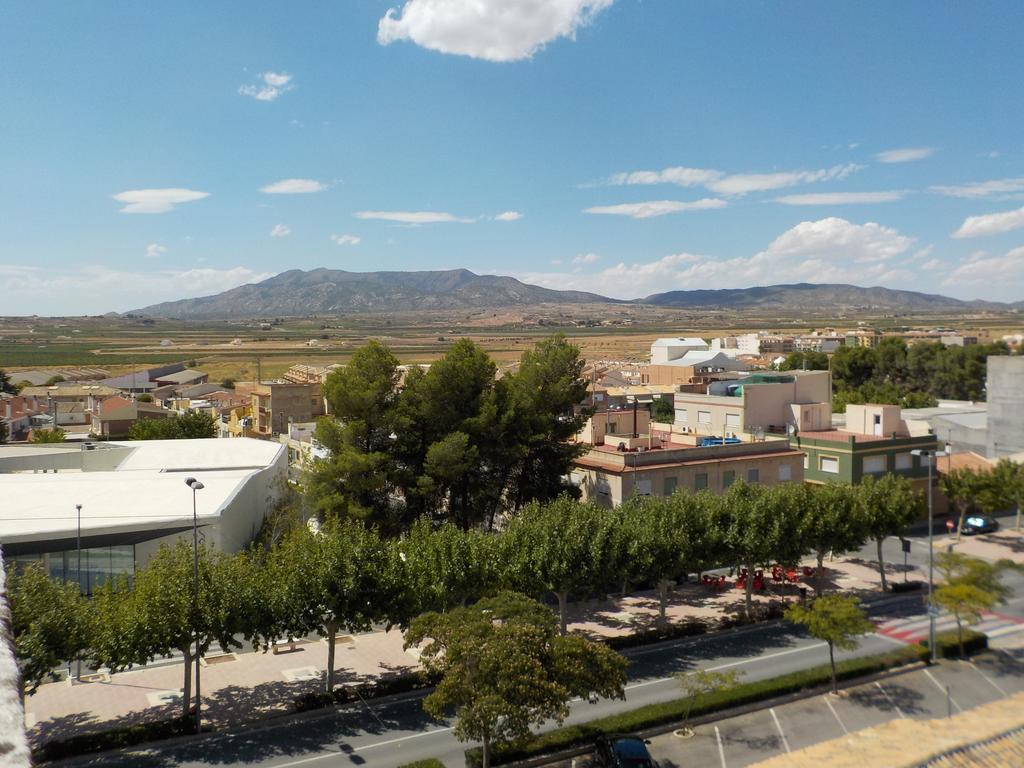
column 78, row 546
column 931, row 567
column 195, row 598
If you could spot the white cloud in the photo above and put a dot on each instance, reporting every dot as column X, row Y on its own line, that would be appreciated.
column 156, row 200
column 556, row 262
column 742, row 183
column 346, row 239
column 293, row 187
column 840, row 198
column 155, row 251
column 982, row 188
column 828, row 250
column 1006, row 271
column 732, row 184
column 991, row 224
column 585, row 258
column 495, row 30
column 412, row 217
column 95, row 289
column 509, row 216
column 280, row 230
column 905, row 155
column 652, row 208
column 269, row 86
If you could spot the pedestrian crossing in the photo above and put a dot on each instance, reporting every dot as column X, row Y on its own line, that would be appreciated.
column 915, row 629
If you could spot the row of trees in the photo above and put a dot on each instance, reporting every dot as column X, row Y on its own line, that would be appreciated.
column 455, row 442
column 347, row 577
column 914, row 375
column 988, row 491
column 187, row 426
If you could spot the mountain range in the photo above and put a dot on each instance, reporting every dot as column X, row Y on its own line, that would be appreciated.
column 334, row 291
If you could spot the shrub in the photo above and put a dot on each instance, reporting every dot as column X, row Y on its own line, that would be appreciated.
column 670, row 711
column 905, row 586
column 947, row 646
column 432, row 762
column 114, row 739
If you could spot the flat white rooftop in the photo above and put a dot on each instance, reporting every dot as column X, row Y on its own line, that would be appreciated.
column 209, row 454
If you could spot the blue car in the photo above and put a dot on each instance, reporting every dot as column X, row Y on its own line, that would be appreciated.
column 979, row 524
column 622, row 752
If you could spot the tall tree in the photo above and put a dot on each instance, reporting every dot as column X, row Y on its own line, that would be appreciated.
column 6, row 385
column 446, row 566
column 50, row 623
column 362, row 394
column 971, row 586
column 963, row 487
column 504, row 668
column 344, row 577
column 158, row 614
column 887, row 506
column 831, row 523
column 763, row 523
column 836, row 619
column 563, row 547
column 1006, row 485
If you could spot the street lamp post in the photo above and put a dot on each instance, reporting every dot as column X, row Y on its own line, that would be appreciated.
column 195, row 485
column 930, row 456
column 78, row 575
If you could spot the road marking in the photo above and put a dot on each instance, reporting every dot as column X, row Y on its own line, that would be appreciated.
column 778, row 727
column 739, row 663
column 838, row 719
column 891, row 702
column 362, row 748
column 943, row 688
column 721, row 749
column 991, row 682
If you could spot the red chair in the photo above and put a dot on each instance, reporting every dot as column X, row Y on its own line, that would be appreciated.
column 792, row 576
column 759, row 583
column 808, row 571
column 777, row 574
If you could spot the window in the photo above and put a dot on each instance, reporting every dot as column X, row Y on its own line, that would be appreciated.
column 753, row 475
column 807, row 462
column 700, row 482
column 786, row 471
column 643, row 487
column 602, row 485
column 703, row 417
column 728, row 478
column 670, row 485
column 598, row 397
column 829, row 464
column 904, row 461
column 732, row 421
column 682, row 415
column 874, row 465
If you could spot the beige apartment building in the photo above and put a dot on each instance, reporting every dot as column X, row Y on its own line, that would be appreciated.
column 757, row 404
column 276, row 404
column 607, row 475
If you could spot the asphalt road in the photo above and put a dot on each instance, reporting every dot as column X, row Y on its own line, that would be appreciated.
column 391, row 733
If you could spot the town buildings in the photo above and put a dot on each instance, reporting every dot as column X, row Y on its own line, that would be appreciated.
column 1005, row 390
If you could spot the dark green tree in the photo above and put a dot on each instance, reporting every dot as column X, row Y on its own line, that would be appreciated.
column 805, row 361
column 503, row 668
column 887, row 506
column 831, row 523
column 6, row 385
column 837, row 619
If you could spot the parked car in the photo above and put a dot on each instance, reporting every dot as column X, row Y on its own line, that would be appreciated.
column 622, row 752
column 979, row 524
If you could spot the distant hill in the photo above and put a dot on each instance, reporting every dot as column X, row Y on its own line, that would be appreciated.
column 335, row 291
column 814, row 296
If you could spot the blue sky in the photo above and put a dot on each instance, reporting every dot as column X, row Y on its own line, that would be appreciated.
column 622, row 146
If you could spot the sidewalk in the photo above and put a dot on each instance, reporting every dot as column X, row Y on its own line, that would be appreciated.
column 246, row 687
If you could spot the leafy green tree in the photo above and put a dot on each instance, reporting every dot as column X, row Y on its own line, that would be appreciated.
column 963, row 487
column 660, row 540
column 853, row 367
column 662, row 411
column 54, row 380
column 228, row 383
column 50, row 623
column 195, row 425
column 361, row 396
column 446, row 566
column 563, row 547
column 344, row 577
column 158, row 616
column 762, row 524
column 831, row 523
column 837, row 619
column 504, row 668
column 188, row 426
column 697, row 685
column 4, row 432
column 971, row 586
column 6, row 385
column 1007, row 486
column 887, row 505
column 805, row 361
column 55, row 435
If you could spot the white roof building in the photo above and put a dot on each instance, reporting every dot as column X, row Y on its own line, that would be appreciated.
column 133, row 498
column 665, row 350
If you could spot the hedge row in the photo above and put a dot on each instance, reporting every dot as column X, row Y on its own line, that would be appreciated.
column 947, row 647
column 127, row 736
column 433, row 762
column 654, row 715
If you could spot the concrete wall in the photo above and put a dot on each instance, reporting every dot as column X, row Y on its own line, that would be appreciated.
column 861, row 419
column 1005, row 392
column 57, row 458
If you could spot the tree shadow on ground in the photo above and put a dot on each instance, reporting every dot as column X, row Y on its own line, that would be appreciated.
column 888, row 699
